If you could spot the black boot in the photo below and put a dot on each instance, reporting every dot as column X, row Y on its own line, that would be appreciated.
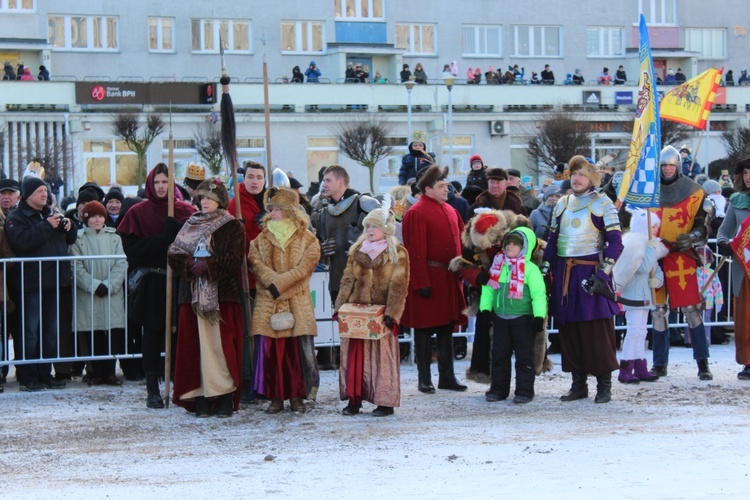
column 154, row 399
column 447, row 378
column 202, row 407
column 226, row 405
column 246, row 394
column 744, row 374
column 578, row 390
column 703, row 372
column 603, row 389
column 423, row 352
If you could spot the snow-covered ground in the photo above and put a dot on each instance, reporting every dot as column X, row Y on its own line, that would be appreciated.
column 674, row 438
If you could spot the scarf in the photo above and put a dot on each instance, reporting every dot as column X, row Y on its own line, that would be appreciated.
column 373, row 248
column 517, row 274
column 740, row 200
column 198, row 229
column 282, row 230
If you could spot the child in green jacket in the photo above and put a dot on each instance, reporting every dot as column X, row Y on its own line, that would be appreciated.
column 516, row 297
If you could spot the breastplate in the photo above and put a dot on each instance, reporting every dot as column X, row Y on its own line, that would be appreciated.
column 577, row 234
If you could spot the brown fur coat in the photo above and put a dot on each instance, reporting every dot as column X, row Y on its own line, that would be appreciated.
column 378, row 281
column 290, row 271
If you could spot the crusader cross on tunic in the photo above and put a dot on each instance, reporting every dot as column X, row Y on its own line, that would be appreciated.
column 681, row 272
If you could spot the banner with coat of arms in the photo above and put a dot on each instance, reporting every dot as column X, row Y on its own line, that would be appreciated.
column 741, row 245
column 691, row 102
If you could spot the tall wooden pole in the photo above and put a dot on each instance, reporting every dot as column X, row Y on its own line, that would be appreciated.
column 267, row 108
column 168, row 321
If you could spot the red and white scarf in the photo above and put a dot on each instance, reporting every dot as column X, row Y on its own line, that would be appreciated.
column 517, row 274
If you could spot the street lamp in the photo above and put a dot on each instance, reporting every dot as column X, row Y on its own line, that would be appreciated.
column 449, row 81
column 409, row 85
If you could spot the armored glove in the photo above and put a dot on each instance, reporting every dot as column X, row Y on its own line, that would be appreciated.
column 725, row 249
column 328, row 247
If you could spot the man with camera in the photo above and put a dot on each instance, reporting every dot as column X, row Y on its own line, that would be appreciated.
column 34, row 230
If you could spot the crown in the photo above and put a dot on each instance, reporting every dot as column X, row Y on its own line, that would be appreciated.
column 195, row 172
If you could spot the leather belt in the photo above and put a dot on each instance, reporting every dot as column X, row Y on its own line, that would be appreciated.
column 570, row 263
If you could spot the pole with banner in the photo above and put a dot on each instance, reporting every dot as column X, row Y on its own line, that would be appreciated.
column 168, row 320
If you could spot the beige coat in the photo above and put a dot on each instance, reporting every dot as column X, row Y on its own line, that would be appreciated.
column 290, row 271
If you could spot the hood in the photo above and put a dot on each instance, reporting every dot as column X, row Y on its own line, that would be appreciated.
column 529, row 239
column 411, row 151
column 312, row 63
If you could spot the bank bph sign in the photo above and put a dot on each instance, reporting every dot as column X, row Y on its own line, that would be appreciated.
column 108, row 93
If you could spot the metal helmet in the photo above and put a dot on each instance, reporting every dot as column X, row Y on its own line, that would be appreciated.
column 670, row 156
column 281, row 180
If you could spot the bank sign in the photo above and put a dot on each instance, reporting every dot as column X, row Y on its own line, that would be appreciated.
column 117, row 93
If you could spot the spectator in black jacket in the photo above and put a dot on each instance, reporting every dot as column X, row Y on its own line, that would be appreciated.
column 414, row 161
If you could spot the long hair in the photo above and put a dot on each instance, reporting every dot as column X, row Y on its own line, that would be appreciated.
column 392, row 250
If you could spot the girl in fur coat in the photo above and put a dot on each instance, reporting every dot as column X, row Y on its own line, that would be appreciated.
column 632, row 277
column 377, row 272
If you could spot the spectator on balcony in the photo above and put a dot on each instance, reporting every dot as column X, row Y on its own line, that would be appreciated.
column 548, row 77
column 670, row 79
column 729, row 79
column 680, row 77
column 620, row 76
column 349, row 76
column 470, row 76
column 447, row 73
column 568, row 79
column 313, row 73
column 477, row 76
column 405, row 73
column 379, row 79
column 297, row 76
column 518, row 75
column 419, row 75
column 361, row 75
column 27, row 76
column 578, row 77
column 9, row 73
column 20, row 70
column 604, row 77
column 491, row 77
column 535, row 80
column 454, row 68
column 43, row 73
column 744, row 79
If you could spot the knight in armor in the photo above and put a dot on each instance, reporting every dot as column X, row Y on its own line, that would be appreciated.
column 683, row 226
column 584, row 243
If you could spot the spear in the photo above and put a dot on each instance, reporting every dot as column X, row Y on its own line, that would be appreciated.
column 168, row 321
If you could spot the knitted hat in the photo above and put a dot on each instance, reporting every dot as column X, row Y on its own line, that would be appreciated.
column 113, row 194
column 194, row 175
column 588, row 170
column 86, row 195
column 711, row 187
column 552, row 189
column 476, row 158
column 95, row 187
column 92, row 208
column 383, row 219
column 497, row 173
column 514, row 237
column 430, row 176
column 29, row 185
column 214, row 189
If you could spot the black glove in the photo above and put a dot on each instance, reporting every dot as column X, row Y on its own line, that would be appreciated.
column 725, row 249
column 483, row 278
column 425, row 292
column 683, row 242
column 388, row 321
column 486, row 316
column 171, row 227
column 101, row 290
column 274, row 291
column 537, row 325
column 599, row 286
column 328, row 247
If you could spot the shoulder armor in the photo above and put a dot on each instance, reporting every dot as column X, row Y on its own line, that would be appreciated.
column 367, row 203
column 603, row 207
column 560, row 206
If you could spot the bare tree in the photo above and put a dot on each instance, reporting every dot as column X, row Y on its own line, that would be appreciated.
column 736, row 143
column 364, row 141
column 137, row 136
column 560, row 135
column 675, row 133
column 208, row 146
column 54, row 154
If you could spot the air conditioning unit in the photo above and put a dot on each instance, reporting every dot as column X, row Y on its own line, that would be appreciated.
column 497, row 127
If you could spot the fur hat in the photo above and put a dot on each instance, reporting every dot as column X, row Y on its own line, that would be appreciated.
column 739, row 182
column 214, row 189
column 194, row 175
column 497, row 173
column 588, row 170
column 30, row 184
column 485, row 229
column 381, row 218
column 92, row 208
column 431, row 176
column 283, row 198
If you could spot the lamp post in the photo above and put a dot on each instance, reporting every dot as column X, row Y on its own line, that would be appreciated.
column 449, row 81
column 409, row 85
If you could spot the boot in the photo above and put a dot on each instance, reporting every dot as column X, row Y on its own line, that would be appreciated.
column 423, row 352
column 154, row 399
column 246, row 394
column 659, row 371
column 226, row 405
column 447, row 378
column 641, row 371
column 578, row 390
column 703, row 372
column 276, row 406
column 626, row 373
column 603, row 389
column 744, row 374
column 202, row 407
column 297, row 405
column 382, row 411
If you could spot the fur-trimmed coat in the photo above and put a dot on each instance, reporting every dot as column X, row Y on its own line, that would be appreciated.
column 506, row 201
column 289, row 270
column 378, row 281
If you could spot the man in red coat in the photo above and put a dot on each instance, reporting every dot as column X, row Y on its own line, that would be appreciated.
column 432, row 235
column 251, row 192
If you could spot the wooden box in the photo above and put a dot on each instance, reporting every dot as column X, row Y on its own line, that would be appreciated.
column 362, row 321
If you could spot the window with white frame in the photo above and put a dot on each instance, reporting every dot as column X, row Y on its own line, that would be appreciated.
column 416, row 38
column 302, row 36
column 21, row 6
column 206, row 33
column 160, row 34
column 358, row 9
column 711, row 43
column 84, row 33
column 481, row 41
column 110, row 162
column 537, row 41
column 321, row 152
column 658, row 11
column 604, row 42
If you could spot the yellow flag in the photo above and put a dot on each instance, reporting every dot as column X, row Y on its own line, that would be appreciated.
column 691, row 102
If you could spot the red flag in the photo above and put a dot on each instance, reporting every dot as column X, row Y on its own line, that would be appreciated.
column 681, row 280
column 741, row 245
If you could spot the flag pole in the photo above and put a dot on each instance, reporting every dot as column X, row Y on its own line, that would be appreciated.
column 267, row 113
column 168, row 320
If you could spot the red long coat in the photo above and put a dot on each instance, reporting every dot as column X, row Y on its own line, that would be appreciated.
column 432, row 232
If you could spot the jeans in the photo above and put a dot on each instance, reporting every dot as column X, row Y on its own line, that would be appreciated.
column 661, row 345
column 38, row 331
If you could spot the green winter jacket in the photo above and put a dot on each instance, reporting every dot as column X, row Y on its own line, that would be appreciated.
column 534, row 301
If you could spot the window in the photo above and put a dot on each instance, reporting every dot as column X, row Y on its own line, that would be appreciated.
column 321, row 152
column 358, row 9
column 537, row 41
column 84, row 33
column 21, row 6
column 482, row 41
column 416, row 38
column 207, row 32
column 604, row 42
column 658, row 11
column 463, row 149
column 711, row 43
column 160, row 33
column 110, row 162
column 302, row 36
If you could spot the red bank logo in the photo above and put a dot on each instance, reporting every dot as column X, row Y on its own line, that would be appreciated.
column 98, row 93
column 209, row 91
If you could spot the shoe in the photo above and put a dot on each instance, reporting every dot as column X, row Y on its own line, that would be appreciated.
column 153, row 399
column 113, row 381
column 452, row 385
column 202, row 407
column 51, row 383
column 382, row 411
column 626, row 373
column 603, row 389
column 641, row 371
column 578, row 390
column 492, row 397
column 297, row 405
column 426, row 388
column 744, row 374
column 703, row 372
column 246, row 394
column 447, row 379
column 659, row 371
column 522, row 400
column 31, row 387
column 91, row 381
column 276, row 406
column 225, row 407
column 63, row 376
column 350, row 410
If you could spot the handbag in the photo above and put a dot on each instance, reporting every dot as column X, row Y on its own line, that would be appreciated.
column 283, row 320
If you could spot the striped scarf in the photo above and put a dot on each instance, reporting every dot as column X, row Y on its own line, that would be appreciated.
column 517, row 274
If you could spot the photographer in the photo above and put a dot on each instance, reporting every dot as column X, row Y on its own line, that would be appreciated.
column 34, row 230
column 313, row 73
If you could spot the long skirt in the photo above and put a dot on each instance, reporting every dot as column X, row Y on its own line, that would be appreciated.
column 369, row 371
column 589, row 347
column 286, row 368
column 203, row 366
